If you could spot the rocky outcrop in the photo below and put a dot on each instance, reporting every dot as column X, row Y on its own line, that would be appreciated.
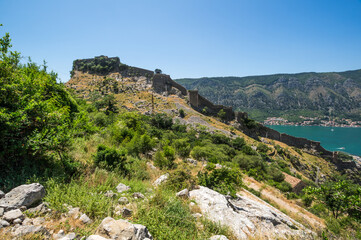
column 21, row 231
column 246, row 217
column 122, row 229
column 24, row 195
column 122, row 188
column 161, row 179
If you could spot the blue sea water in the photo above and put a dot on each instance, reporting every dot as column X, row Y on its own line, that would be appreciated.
column 347, row 138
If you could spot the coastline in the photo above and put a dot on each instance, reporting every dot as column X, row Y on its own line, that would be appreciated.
column 340, row 138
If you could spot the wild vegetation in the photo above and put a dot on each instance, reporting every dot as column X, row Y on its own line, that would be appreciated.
column 81, row 149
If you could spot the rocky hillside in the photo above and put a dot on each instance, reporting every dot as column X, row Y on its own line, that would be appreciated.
column 121, row 152
column 285, row 94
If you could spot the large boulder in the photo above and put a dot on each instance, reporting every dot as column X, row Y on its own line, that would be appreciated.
column 248, row 218
column 122, row 229
column 2, row 194
column 22, row 231
column 24, row 195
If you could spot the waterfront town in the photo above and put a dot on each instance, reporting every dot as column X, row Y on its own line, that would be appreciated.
column 313, row 121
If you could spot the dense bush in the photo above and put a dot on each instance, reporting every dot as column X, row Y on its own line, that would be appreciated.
column 161, row 121
column 182, row 147
column 111, row 158
column 180, row 179
column 165, row 159
column 238, row 143
column 36, row 117
column 223, row 180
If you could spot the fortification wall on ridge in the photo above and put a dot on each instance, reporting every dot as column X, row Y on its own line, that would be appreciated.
column 163, row 83
column 113, row 63
column 199, row 103
column 139, row 72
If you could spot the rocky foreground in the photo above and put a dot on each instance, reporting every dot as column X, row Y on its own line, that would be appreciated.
column 245, row 217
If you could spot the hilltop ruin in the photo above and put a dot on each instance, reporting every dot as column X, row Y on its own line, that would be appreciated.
column 109, row 75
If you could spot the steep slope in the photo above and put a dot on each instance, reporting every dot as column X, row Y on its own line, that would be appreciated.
column 285, row 94
column 137, row 93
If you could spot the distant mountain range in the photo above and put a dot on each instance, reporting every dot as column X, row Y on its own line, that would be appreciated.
column 285, row 95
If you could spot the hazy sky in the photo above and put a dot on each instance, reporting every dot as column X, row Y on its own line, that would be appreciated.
column 190, row 38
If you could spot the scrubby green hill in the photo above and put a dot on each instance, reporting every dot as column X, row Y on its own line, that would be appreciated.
column 286, row 95
column 81, row 146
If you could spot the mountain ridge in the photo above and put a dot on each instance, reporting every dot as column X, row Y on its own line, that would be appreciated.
column 306, row 93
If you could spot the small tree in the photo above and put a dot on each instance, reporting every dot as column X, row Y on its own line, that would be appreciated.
column 339, row 197
column 182, row 147
column 181, row 113
column 222, row 114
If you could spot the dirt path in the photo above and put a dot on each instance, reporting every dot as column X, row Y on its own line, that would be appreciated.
column 288, row 206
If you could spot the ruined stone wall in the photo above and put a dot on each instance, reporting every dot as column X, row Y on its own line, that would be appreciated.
column 112, row 62
column 258, row 130
column 134, row 71
column 163, row 83
column 199, row 103
column 193, row 98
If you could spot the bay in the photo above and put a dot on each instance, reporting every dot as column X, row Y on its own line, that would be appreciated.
column 336, row 140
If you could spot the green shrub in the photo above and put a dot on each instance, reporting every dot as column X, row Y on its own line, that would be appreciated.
column 283, row 186
column 263, row 148
column 255, row 192
column 249, row 162
column 200, row 153
column 145, row 143
column 218, row 138
column 275, row 174
column 181, row 113
column 161, row 121
column 137, row 169
column 165, row 159
column 248, row 150
column 111, row 158
column 238, row 143
column 182, row 147
column 180, row 179
column 223, row 180
column 169, row 153
column 101, row 119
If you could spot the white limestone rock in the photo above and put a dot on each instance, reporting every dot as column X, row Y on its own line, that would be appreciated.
column 122, row 229
column 161, row 179
column 123, row 200
column 13, row 214
column 122, row 188
column 74, row 213
column 246, row 217
column 85, row 219
column 4, row 223
column 97, row 237
column 218, row 237
column 24, row 195
column 2, row 194
column 183, row 194
column 29, row 229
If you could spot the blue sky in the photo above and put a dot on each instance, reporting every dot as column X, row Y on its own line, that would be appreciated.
column 190, row 38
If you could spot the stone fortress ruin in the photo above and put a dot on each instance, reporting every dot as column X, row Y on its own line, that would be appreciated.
column 163, row 84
